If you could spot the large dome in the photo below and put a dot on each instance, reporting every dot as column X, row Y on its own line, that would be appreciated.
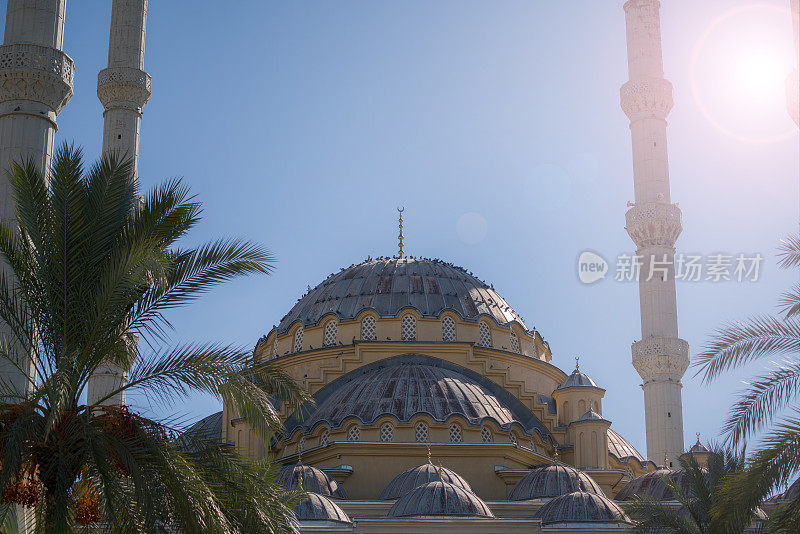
column 389, row 285
column 406, row 386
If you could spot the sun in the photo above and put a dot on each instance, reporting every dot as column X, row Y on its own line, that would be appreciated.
column 759, row 74
column 739, row 68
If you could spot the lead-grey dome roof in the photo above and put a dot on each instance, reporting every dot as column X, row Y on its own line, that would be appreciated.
column 578, row 379
column 390, row 285
column 440, row 499
column 652, row 485
column 314, row 480
column 581, row 507
column 404, row 391
column 409, row 479
column 552, row 481
column 317, row 507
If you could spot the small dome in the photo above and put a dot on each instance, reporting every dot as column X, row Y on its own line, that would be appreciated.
column 317, row 507
column 390, row 285
column 698, row 447
column 581, row 507
column 440, row 499
column 652, row 485
column 578, row 380
column 409, row 479
column 552, row 481
column 591, row 415
column 314, row 480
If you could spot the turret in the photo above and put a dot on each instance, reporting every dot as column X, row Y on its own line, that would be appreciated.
column 654, row 224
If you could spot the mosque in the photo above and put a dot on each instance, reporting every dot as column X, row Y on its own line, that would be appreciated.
column 437, row 408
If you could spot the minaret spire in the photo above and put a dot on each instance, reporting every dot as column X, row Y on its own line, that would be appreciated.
column 400, row 236
column 37, row 83
column 123, row 88
column 654, row 224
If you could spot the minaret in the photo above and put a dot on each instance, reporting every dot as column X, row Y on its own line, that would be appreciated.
column 35, row 84
column 793, row 81
column 654, row 223
column 124, row 89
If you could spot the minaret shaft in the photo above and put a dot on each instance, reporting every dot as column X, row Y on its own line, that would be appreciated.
column 124, row 89
column 654, row 224
column 36, row 79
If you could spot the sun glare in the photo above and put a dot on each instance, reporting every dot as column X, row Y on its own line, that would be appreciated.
column 739, row 70
column 760, row 74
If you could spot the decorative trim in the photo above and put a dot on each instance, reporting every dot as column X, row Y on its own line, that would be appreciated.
column 38, row 73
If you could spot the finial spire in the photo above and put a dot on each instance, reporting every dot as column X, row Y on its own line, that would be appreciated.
column 577, row 363
column 698, row 437
column 400, row 236
column 439, row 471
column 666, row 459
column 429, row 452
column 555, row 455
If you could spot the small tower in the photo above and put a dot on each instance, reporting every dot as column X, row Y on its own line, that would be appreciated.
column 654, row 224
column 124, row 89
column 36, row 79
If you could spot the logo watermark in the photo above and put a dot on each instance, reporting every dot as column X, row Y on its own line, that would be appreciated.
column 717, row 267
column 592, row 267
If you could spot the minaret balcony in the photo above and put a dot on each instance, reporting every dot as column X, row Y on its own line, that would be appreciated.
column 661, row 359
column 123, row 87
column 646, row 98
column 36, row 73
column 654, row 224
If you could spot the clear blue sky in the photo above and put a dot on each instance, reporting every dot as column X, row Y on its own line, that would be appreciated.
column 302, row 125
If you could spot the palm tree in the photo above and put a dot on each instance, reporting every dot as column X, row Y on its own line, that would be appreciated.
column 696, row 497
column 758, row 407
column 92, row 268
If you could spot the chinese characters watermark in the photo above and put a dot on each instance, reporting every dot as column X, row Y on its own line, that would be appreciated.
column 717, row 267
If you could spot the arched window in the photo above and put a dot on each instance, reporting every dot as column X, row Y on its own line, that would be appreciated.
column 565, row 415
column 331, row 333
column 368, row 328
column 408, row 328
column 486, row 435
column 275, row 348
column 325, row 438
column 354, row 434
column 485, row 335
column 298, row 340
column 301, row 445
column 421, row 432
column 596, row 408
column 456, row 435
column 514, row 342
column 581, row 407
column 448, row 329
column 387, row 432
column 512, row 438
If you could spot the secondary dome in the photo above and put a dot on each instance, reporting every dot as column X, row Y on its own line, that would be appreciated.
column 389, row 285
column 440, row 499
column 652, row 485
column 581, row 507
column 409, row 479
column 552, row 481
column 317, row 507
column 314, row 480
column 578, row 379
column 408, row 389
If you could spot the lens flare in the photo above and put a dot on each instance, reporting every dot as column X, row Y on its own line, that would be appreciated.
column 738, row 73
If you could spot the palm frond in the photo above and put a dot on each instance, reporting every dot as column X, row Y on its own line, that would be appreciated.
column 741, row 342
